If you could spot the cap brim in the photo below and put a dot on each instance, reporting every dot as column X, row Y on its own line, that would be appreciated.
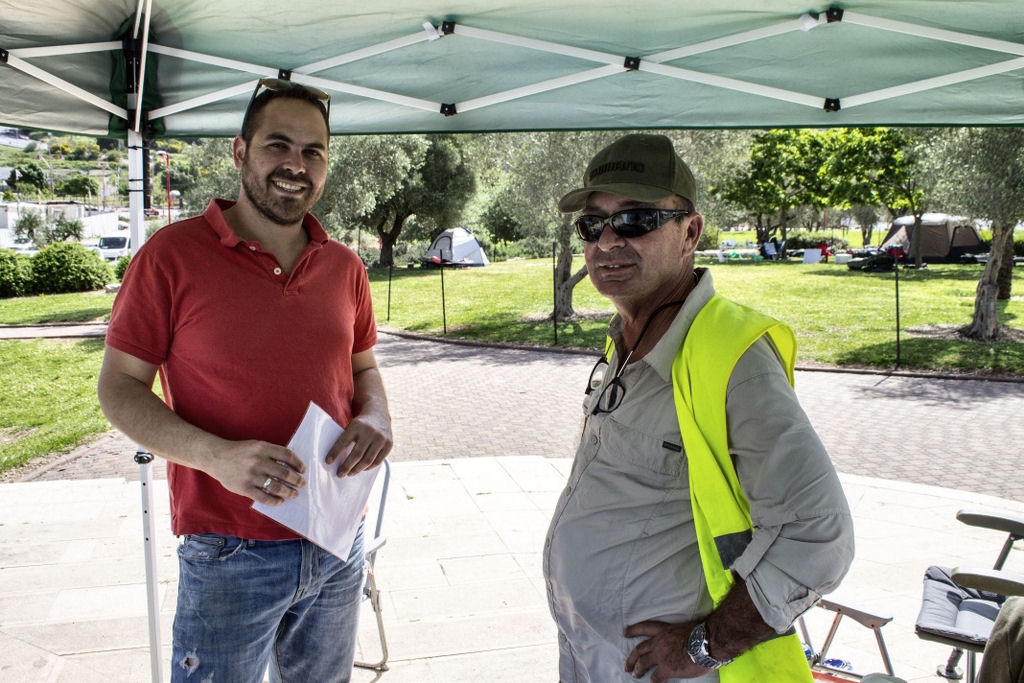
column 577, row 199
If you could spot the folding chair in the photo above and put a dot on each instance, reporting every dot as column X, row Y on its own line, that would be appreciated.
column 960, row 605
column 822, row 667
column 375, row 518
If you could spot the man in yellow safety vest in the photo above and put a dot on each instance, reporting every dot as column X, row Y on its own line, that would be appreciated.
column 702, row 515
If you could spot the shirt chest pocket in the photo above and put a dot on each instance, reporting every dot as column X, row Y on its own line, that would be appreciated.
column 656, row 453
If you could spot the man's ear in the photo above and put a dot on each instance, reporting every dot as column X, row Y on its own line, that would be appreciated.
column 694, row 229
column 238, row 151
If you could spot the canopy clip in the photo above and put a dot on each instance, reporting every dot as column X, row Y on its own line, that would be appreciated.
column 448, row 109
column 447, row 27
column 834, row 14
column 832, row 104
column 632, row 63
column 284, row 74
column 3, row 55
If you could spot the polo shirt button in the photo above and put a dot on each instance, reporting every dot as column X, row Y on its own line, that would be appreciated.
column 252, row 247
column 277, row 271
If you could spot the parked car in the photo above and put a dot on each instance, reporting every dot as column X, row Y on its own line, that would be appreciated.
column 23, row 245
column 113, row 247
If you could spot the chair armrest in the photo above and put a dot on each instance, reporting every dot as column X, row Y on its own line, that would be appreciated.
column 374, row 545
column 1000, row 521
column 991, row 580
column 864, row 617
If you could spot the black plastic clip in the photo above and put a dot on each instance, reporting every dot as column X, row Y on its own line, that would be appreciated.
column 447, row 27
column 3, row 55
column 448, row 109
column 832, row 104
column 834, row 14
column 143, row 457
column 284, row 74
column 631, row 63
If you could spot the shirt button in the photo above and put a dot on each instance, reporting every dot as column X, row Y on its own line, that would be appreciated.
column 568, row 491
column 593, row 439
column 277, row 271
column 252, row 247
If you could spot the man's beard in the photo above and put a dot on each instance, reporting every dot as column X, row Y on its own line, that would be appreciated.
column 282, row 210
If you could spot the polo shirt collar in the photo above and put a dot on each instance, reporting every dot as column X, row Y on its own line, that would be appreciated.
column 214, row 214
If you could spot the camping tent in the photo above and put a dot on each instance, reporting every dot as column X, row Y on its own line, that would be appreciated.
column 944, row 239
column 146, row 68
column 456, row 246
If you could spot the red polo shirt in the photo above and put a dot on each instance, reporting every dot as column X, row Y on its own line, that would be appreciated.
column 242, row 347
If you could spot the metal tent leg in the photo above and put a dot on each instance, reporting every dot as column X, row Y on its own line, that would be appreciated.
column 144, row 458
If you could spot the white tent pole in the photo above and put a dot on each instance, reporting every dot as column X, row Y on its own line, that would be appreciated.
column 801, row 24
column 59, row 83
column 140, row 86
column 145, row 461
column 934, row 33
column 932, row 83
column 733, row 84
column 364, row 53
column 542, row 45
column 61, row 50
column 535, row 88
column 136, row 189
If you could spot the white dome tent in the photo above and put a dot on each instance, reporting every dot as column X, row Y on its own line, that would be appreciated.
column 456, row 247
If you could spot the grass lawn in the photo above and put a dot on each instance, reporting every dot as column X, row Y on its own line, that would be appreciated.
column 841, row 317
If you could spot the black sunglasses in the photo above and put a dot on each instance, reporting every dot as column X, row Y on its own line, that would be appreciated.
column 285, row 85
column 627, row 223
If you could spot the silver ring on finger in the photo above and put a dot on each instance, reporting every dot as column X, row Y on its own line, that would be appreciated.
column 266, row 484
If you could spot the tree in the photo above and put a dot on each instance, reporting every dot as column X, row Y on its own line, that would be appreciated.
column 381, row 182
column 32, row 225
column 203, row 171
column 987, row 179
column 77, row 185
column 64, row 229
column 782, row 173
column 890, row 167
column 28, row 174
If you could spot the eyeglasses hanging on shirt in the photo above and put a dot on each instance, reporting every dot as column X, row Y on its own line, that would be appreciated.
column 614, row 391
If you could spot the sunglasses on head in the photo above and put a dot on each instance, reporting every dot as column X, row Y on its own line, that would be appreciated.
column 285, row 85
column 626, row 223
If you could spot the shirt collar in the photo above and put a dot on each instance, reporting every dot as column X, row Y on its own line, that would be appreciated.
column 214, row 215
column 661, row 357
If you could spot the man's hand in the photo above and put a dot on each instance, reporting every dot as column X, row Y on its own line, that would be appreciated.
column 365, row 443
column 665, row 648
column 259, row 470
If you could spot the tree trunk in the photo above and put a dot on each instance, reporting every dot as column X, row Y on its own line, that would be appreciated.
column 565, row 279
column 388, row 232
column 985, row 324
column 1005, row 277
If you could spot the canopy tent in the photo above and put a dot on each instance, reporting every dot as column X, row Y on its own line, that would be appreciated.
column 84, row 66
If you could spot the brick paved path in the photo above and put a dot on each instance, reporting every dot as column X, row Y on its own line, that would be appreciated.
column 450, row 400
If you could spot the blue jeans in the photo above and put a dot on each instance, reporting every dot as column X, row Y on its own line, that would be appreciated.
column 245, row 604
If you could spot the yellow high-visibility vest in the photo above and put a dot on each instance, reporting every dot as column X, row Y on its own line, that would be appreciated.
column 722, row 331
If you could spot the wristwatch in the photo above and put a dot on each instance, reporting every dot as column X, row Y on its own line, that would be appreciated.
column 697, row 648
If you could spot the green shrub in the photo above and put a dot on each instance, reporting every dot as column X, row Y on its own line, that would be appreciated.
column 68, row 267
column 121, row 266
column 15, row 274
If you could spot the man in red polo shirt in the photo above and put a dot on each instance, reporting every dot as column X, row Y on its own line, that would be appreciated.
column 247, row 313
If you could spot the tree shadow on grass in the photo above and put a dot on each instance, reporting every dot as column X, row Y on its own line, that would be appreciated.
column 941, row 353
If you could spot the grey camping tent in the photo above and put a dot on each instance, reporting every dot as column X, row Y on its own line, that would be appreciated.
column 944, row 239
column 456, row 246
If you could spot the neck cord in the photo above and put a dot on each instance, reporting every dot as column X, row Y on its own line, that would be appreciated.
column 643, row 331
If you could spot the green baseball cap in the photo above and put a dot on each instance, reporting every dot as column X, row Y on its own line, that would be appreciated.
column 641, row 166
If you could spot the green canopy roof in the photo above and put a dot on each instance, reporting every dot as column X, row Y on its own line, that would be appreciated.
column 469, row 65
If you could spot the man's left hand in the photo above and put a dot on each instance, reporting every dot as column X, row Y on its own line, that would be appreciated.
column 364, row 444
column 665, row 648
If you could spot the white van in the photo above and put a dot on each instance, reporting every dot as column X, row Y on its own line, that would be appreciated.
column 113, row 247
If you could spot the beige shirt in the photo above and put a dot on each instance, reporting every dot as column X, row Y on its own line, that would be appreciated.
column 622, row 546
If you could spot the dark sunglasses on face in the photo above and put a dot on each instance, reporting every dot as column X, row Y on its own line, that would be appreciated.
column 283, row 85
column 627, row 223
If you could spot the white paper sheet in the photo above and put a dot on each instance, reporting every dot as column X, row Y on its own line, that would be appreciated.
column 328, row 510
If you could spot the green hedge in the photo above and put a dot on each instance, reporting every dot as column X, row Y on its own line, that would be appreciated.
column 15, row 274
column 68, row 267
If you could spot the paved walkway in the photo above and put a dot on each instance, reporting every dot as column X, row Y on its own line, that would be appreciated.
column 483, row 437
